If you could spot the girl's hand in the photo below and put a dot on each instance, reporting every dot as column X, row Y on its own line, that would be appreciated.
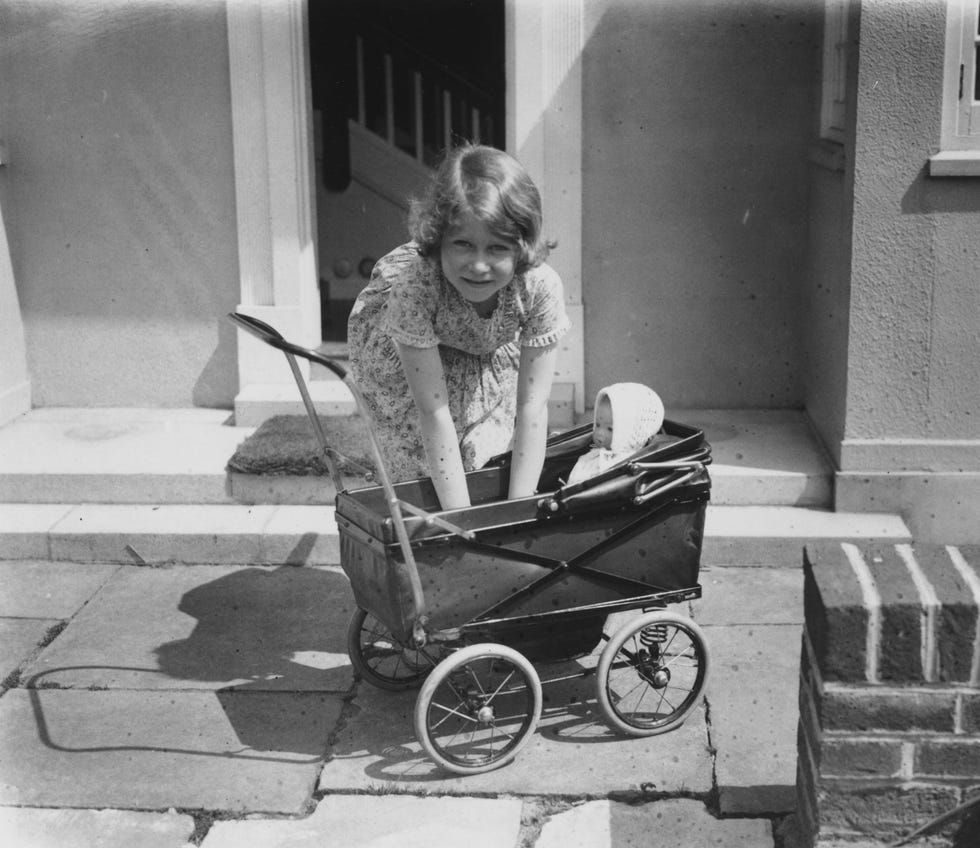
column 423, row 370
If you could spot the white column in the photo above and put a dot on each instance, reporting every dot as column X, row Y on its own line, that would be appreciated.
column 271, row 115
column 545, row 39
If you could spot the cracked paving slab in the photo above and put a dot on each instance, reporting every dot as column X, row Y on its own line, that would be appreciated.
column 43, row 828
column 573, row 752
column 207, row 627
column 389, row 821
column 668, row 822
column 151, row 750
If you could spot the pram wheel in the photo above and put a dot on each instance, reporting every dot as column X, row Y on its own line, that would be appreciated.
column 382, row 660
column 478, row 708
column 651, row 673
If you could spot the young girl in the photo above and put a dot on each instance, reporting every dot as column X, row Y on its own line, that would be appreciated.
column 453, row 341
column 627, row 416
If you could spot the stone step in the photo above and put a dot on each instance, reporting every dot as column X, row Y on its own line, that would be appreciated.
column 178, row 456
column 290, row 534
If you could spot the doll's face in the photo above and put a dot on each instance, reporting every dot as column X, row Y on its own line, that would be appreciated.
column 475, row 261
column 603, row 431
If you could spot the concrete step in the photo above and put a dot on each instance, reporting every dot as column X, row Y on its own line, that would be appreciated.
column 178, row 456
column 307, row 535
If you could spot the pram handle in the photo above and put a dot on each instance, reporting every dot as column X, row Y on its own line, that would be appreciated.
column 271, row 336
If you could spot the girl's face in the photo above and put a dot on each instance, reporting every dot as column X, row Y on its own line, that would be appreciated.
column 477, row 262
column 603, row 432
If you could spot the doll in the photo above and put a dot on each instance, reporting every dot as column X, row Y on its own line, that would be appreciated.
column 627, row 416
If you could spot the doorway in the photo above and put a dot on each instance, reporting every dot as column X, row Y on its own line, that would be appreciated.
column 394, row 83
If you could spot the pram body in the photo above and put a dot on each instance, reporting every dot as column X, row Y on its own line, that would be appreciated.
column 463, row 602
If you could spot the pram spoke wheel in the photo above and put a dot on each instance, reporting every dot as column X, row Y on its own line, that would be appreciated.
column 382, row 660
column 478, row 708
column 651, row 673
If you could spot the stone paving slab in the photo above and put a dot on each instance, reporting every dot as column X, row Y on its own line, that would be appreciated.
column 44, row 589
column 235, row 751
column 19, row 639
column 22, row 827
column 573, row 752
column 749, row 596
column 678, row 823
column 752, row 692
column 382, row 821
column 207, row 627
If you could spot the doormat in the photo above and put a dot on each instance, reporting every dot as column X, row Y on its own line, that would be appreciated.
column 286, row 445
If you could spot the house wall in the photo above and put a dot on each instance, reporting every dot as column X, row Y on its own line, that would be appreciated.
column 912, row 425
column 695, row 186
column 915, row 300
column 119, row 199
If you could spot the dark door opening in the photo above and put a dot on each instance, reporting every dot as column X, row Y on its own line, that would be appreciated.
column 394, row 83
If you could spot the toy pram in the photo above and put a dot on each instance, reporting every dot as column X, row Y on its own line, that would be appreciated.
column 460, row 602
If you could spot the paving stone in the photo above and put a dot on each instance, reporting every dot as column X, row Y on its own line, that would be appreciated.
column 679, row 823
column 684, row 823
column 19, row 638
column 750, row 596
column 236, row 751
column 382, row 821
column 44, row 589
column 40, row 828
column 752, row 694
column 587, row 825
column 208, row 627
column 573, row 752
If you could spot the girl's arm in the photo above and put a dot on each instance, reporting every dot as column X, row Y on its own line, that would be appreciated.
column 423, row 370
column 537, row 370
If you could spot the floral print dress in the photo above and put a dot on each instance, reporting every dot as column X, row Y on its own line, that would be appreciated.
column 408, row 300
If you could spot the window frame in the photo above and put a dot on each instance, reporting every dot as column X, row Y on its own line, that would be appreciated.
column 959, row 149
column 833, row 76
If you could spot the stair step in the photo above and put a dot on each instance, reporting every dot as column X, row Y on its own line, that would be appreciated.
column 289, row 534
column 173, row 456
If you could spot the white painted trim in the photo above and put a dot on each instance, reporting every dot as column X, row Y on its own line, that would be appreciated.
column 930, row 613
column 383, row 168
column 973, row 581
column 872, row 603
column 273, row 156
column 545, row 40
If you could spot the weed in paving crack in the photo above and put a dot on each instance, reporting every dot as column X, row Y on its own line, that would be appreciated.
column 535, row 813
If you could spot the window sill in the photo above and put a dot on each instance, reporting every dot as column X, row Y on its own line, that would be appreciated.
column 955, row 163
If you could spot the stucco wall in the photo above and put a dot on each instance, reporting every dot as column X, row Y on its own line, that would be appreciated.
column 915, row 309
column 697, row 121
column 120, row 199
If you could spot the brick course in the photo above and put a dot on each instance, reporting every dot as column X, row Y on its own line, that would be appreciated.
column 889, row 733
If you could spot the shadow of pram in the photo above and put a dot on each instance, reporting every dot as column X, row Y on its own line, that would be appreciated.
column 270, row 639
column 379, row 741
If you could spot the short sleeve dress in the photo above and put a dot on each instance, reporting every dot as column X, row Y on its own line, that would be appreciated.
column 408, row 300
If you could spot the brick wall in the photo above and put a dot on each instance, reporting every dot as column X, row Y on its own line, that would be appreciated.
column 889, row 734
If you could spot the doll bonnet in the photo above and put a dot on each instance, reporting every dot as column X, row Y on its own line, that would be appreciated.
column 637, row 414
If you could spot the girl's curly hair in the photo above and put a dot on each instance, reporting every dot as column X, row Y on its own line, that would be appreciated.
column 493, row 187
